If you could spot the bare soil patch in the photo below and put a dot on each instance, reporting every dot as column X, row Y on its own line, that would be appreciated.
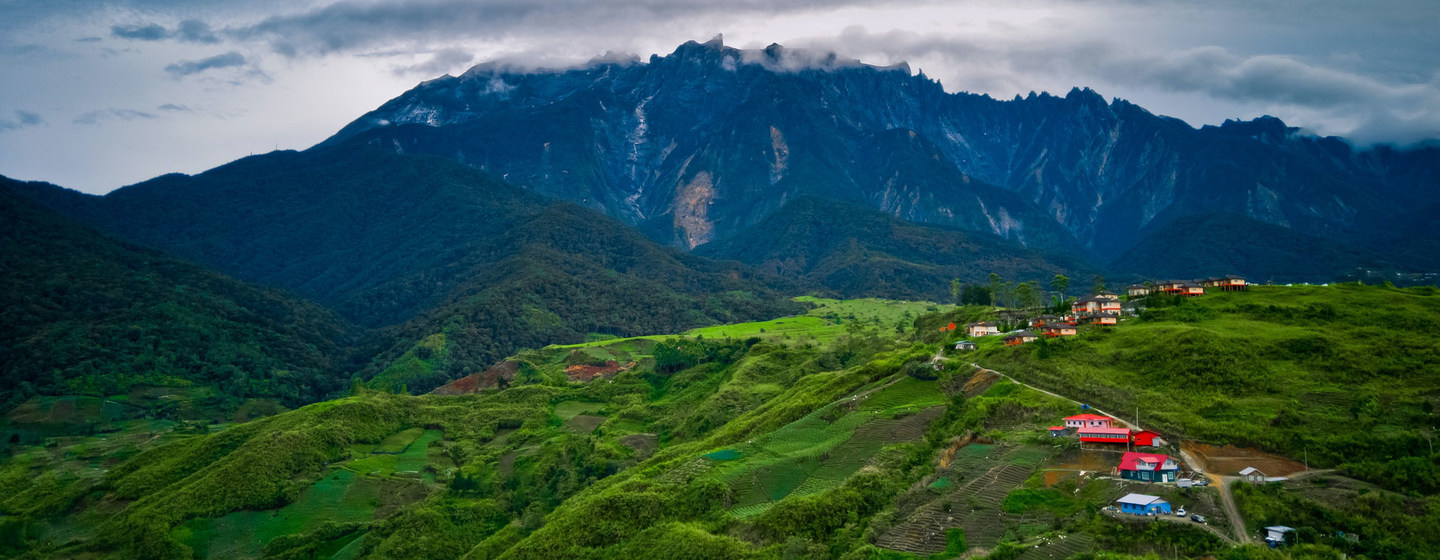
column 1230, row 460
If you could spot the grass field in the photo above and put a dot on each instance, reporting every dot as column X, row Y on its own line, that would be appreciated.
column 822, row 449
column 1279, row 368
column 828, row 320
column 341, row 497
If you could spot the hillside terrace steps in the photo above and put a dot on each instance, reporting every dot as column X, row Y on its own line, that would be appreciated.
column 923, row 532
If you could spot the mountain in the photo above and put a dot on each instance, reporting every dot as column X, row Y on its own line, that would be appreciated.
column 426, row 250
column 1193, row 246
column 84, row 314
column 860, row 252
column 700, row 144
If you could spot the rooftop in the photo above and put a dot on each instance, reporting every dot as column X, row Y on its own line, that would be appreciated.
column 1141, row 499
column 1130, row 461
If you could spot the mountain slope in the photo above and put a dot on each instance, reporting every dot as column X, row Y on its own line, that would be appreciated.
column 427, row 248
column 85, row 314
column 782, row 446
column 1198, row 246
column 859, row 252
column 697, row 145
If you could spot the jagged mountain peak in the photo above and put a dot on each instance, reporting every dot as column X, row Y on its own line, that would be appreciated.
column 699, row 144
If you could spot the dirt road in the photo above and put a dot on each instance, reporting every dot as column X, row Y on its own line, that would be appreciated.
column 1023, row 384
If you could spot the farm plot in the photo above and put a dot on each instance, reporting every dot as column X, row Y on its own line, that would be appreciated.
column 341, row 497
column 978, row 478
column 412, row 458
column 1230, row 460
column 822, row 449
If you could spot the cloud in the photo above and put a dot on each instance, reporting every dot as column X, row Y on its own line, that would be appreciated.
column 1305, row 92
column 351, row 25
column 441, row 61
column 195, row 31
column 175, row 108
column 23, row 119
column 189, row 31
column 96, row 117
column 188, row 67
column 147, row 32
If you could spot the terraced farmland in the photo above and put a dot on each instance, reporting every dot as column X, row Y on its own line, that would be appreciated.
column 981, row 476
column 822, row 449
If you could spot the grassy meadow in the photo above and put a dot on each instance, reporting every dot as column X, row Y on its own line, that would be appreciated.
column 844, row 439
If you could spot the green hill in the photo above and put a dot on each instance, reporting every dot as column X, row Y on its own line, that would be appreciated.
column 83, row 314
column 1346, row 375
column 859, row 252
column 419, row 247
column 790, row 445
column 1202, row 246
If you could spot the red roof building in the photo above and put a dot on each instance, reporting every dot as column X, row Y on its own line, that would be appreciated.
column 1145, row 437
column 1105, row 435
column 1150, row 467
column 1088, row 421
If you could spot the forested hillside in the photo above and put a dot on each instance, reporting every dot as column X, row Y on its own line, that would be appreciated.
column 837, row 434
column 83, row 314
column 419, row 247
column 859, row 252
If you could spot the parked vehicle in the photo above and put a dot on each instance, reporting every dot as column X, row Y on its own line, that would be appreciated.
column 1180, row 512
column 1197, row 518
column 1202, row 481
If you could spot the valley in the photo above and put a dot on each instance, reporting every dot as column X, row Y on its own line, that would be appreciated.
column 849, row 429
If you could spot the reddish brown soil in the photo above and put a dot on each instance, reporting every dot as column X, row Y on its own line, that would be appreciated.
column 474, row 383
column 581, row 372
column 1230, row 460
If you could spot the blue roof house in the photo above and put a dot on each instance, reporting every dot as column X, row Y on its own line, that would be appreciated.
column 1143, row 504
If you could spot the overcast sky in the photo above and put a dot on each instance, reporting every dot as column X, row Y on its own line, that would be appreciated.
column 98, row 94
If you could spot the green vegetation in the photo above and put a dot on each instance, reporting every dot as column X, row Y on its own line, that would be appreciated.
column 87, row 315
column 844, row 444
column 859, row 252
column 1344, row 375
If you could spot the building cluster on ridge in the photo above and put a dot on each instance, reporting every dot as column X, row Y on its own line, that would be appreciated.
column 1102, row 309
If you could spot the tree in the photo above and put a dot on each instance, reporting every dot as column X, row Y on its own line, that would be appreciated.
column 1024, row 293
column 994, row 288
column 1099, row 284
column 1060, row 283
column 955, row 290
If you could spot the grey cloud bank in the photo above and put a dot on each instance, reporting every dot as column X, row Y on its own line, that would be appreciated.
column 1362, row 70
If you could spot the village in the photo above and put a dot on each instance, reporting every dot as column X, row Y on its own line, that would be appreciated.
column 1137, row 451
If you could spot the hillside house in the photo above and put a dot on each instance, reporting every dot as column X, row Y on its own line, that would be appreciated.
column 1172, row 287
column 981, row 329
column 1137, row 291
column 1044, row 320
column 1060, row 329
column 964, row 346
column 1230, row 283
column 1148, row 467
column 1275, row 535
column 1105, row 435
column 1145, row 437
column 1102, row 294
column 1088, row 421
column 1252, row 475
column 1096, row 305
column 1191, row 289
column 1105, row 318
column 1021, row 337
column 1143, row 504
column 1060, row 431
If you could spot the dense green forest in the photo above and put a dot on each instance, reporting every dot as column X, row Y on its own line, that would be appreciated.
column 836, row 434
column 87, row 315
column 859, row 252
column 429, row 254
